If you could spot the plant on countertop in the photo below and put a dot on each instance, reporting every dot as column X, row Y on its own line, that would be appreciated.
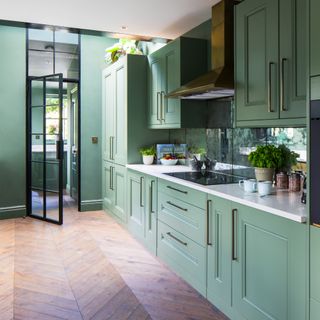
column 287, row 159
column 266, row 156
column 148, row 151
column 197, row 150
column 121, row 48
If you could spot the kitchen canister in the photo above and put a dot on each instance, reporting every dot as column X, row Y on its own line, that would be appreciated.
column 282, row 180
column 294, row 182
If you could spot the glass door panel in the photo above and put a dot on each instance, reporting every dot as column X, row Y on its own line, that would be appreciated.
column 45, row 160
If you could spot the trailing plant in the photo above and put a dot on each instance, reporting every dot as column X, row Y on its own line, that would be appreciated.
column 148, row 151
column 121, row 48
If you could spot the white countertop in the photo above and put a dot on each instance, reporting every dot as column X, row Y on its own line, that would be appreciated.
column 282, row 203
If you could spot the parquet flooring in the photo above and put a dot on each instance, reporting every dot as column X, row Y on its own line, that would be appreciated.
column 89, row 268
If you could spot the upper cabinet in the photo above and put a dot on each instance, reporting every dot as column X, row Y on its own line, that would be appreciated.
column 124, row 111
column 314, row 38
column 173, row 65
column 270, row 63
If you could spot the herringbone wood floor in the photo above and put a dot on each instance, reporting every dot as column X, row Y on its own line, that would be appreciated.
column 89, row 268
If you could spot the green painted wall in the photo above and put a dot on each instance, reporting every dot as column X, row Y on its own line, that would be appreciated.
column 12, row 121
column 92, row 63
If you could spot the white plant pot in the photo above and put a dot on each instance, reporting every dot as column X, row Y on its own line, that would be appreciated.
column 264, row 174
column 147, row 159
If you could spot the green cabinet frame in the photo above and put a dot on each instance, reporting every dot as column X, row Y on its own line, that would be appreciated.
column 170, row 67
column 270, row 60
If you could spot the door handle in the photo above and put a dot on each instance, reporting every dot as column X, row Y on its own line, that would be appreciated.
column 271, row 64
column 234, row 235
column 175, row 189
column 163, row 105
column 151, row 197
column 158, row 95
column 110, row 147
column 110, row 178
column 58, row 150
column 112, row 143
column 141, row 196
column 282, row 85
column 209, row 243
column 177, row 239
column 176, row 206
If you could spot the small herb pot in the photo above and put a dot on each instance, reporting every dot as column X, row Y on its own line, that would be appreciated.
column 147, row 159
column 264, row 174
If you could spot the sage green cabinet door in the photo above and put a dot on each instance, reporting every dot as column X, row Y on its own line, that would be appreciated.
column 136, row 204
column 151, row 213
column 292, row 61
column 108, row 192
column 155, row 75
column 314, row 273
column 108, row 113
column 256, row 78
column 269, row 266
column 170, row 108
column 314, row 38
column 219, row 253
column 119, row 187
column 120, row 115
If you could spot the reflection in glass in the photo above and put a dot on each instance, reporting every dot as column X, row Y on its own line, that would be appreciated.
column 37, row 175
column 52, row 205
column 37, row 203
column 37, row 147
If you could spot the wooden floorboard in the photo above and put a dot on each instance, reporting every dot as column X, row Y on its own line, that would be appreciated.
column 90, row 268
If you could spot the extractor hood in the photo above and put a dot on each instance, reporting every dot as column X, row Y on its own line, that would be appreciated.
column 219, row 82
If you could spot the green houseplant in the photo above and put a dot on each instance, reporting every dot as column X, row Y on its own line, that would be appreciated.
column 148, row 154
column 265, row 159
column 196, row 152
column 121, row 48
column 286, row 159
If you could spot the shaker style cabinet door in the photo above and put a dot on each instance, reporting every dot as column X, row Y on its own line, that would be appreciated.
column 292, row 60
column 256, row 64
column 314, row 38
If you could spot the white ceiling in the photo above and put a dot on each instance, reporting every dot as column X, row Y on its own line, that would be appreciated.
column 155, row 18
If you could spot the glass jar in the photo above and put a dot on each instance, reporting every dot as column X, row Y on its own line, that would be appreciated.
column 294, row 182
column 282, row 180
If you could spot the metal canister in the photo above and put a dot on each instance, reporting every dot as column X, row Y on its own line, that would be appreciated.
column 282, row 180
column 294, row 182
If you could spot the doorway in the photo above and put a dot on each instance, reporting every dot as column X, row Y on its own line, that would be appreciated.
column 53, row 126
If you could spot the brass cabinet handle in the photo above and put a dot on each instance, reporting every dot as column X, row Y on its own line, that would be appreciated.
column 234, row 237
column 271, row 64
column 163, row 105
column 282, row 85
column 158, row 95
column 177, row 239
column 176, row 206
column 112, row 140
column 111, row 178
column 141, row 195
column 172, row 188
column 151, row 197
column 209, row 243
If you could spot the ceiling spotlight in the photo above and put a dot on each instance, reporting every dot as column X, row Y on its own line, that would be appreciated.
column 124, row 27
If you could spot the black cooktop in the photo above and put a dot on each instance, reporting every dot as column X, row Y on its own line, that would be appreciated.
column 208, row 177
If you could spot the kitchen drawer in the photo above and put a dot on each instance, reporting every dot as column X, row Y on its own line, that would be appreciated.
column 191, row 196
column 184, row 256
column 183, row 217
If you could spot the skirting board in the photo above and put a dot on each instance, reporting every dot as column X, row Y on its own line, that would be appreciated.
column 13, row 212
column 91, row 205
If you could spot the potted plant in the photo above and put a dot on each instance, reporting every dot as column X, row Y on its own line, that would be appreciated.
column 265, row 160
column 196, row 152
column 286, row 159
column 148, row 154
column 121, row 48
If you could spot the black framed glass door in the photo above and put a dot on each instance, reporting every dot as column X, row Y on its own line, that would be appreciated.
column 45, row 148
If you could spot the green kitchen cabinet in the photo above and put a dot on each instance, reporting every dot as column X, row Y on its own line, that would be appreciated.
column 173, row 65
column 219, row 243
column 114, row 189
column 270, row 63
column 314, row 273
column 124, row 111
column 314, row 38
column 269, row 265
column 142, row 208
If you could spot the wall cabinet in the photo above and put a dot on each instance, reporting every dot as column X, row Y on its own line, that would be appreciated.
column 269, row 265
column 314, row 38
column 270, row 63
column 170, row 67
column 314, row 273
column 142, row 208
column 114, row 189
column 124, row 111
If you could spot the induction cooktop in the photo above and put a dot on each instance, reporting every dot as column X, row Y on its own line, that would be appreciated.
column 208, row 177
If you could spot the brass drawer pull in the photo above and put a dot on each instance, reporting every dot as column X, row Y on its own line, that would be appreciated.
column 175, row 238
column 270, row 109
column 234, row 236
column 176, row 206
column 209, row 243
column 172, row 188
column 282, row 85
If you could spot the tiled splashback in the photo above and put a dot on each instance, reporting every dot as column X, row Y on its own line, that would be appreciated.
column 233, row 145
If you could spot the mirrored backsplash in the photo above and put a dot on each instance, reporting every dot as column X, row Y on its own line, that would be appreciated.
column 232, row 146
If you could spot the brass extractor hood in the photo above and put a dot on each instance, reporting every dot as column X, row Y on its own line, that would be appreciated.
column 219, row 82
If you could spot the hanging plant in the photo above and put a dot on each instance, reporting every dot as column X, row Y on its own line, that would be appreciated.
column 121, row 48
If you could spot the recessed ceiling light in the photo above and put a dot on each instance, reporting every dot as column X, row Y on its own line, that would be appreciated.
column 124, row 27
